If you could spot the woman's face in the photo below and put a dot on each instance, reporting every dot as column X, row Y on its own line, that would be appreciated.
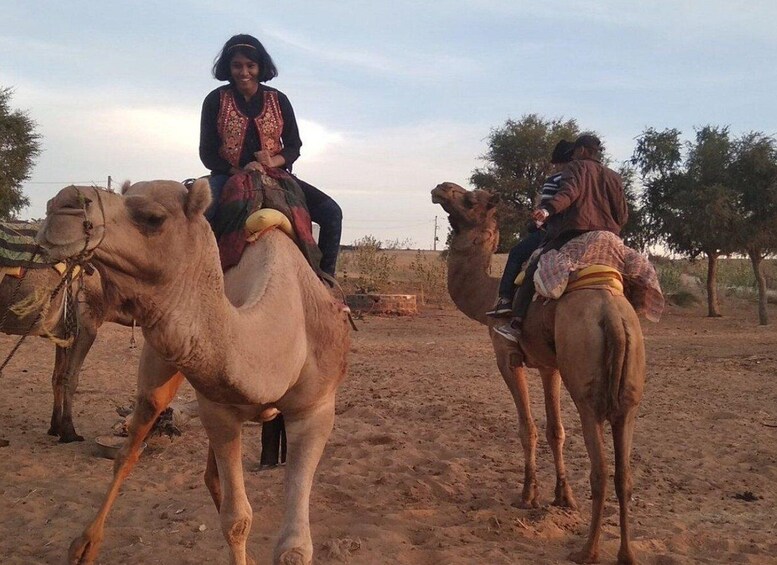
column 245, row 73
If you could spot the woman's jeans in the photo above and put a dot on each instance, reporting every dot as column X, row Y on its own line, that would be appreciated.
column 329, row 217
column 322, row 208
column 519, row 254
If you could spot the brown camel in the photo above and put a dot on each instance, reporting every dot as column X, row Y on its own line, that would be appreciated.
column 90, row 313
column 590, row 339
column 265, row 336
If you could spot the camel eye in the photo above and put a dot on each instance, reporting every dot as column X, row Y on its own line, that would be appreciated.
column 153, row 220
column 148, row 216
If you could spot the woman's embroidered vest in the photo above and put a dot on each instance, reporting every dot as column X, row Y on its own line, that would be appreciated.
column 233, row 124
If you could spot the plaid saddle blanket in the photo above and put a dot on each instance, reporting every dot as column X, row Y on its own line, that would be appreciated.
column 641, row 286
column 249, row 191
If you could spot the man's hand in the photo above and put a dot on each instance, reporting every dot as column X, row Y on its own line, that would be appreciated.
column 540, row 215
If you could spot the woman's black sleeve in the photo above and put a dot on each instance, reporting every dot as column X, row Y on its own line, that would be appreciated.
column 290, row 134
column 209, row 135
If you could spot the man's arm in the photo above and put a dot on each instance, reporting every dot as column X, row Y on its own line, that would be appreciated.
column 568, row 192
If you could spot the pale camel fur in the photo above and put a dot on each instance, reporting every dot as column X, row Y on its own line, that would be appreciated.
column 90, row 313
column 266, row 336
column 590, row 339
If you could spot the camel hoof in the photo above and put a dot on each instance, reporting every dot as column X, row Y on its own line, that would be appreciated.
column 83, row 550
column 70, row 438
column 626, row 557
column 584, row 557
column 527, row 504
column 565, row 501
column 53, row 431
column 294, row 556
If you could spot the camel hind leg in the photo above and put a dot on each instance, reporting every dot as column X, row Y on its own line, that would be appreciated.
column 622, row 434
column 307, row 436
column 593, row 433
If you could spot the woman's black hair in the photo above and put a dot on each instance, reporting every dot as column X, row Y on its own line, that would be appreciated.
column 250, row 47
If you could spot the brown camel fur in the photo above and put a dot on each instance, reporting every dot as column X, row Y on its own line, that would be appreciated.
column 590, row 339
column 90, row 312
column 266, row 336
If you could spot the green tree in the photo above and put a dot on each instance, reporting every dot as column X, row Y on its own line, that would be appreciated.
column 753, row 177
column 689, row 202
column 19, row 145
column 517, row 163
column 635, row 233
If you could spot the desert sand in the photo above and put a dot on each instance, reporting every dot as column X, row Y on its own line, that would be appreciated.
column 424, row 464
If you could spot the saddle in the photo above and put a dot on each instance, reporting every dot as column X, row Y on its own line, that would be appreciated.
column 255, row 201
column 19, row 251
column 599, row 259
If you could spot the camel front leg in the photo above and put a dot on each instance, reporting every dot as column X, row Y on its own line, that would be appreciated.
column 554, row 433
column 212, row 481
column 157, row 385
column 307, row 435
column 593, row 432
column 60, row 362
column 73, row 360
column 224, row 431
column 514, row 376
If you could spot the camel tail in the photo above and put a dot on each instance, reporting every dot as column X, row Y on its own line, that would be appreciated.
column 616, row 342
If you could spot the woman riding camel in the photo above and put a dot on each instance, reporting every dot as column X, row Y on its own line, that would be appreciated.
column 247, row 125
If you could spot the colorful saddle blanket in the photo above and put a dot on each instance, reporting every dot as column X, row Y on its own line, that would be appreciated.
column 247, row 192
column 558, row 270
column 18, row 247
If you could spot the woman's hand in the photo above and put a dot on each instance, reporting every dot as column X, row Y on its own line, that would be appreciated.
column 253, row 166
column 267, row 159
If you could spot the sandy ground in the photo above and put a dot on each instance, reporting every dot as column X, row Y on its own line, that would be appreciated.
column 424, row 464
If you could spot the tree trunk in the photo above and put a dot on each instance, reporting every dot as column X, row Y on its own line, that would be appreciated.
column 757, row 260
column 712, row 285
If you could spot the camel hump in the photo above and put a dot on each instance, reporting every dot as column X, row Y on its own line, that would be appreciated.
column 266, row 219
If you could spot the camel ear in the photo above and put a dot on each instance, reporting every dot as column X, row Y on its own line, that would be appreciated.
column 198, row 199
column 125, row 187
column 493, row 200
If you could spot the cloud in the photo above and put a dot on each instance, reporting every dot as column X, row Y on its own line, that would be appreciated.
column 382, row 178
column 421, row 65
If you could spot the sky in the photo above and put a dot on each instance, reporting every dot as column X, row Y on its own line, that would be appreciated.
column 392, row 98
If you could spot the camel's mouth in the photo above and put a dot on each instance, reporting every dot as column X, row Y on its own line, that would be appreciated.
column 68, row 230
column 65, row 238
column 440, row 194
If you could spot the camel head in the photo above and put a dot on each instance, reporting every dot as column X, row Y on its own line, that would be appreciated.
column 137, row 233
column 466, row 209
column 472, row 215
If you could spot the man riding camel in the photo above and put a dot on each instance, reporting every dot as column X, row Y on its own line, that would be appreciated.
column 591, row 198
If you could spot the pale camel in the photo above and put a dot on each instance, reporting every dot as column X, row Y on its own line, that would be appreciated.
column 90, row 313
column 590, row 339
column 266, row 336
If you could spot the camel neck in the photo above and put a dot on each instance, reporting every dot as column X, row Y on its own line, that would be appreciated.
column 222, row 332
column 470, row 285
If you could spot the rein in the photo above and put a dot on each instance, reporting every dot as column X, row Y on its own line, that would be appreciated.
column 80, row 259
